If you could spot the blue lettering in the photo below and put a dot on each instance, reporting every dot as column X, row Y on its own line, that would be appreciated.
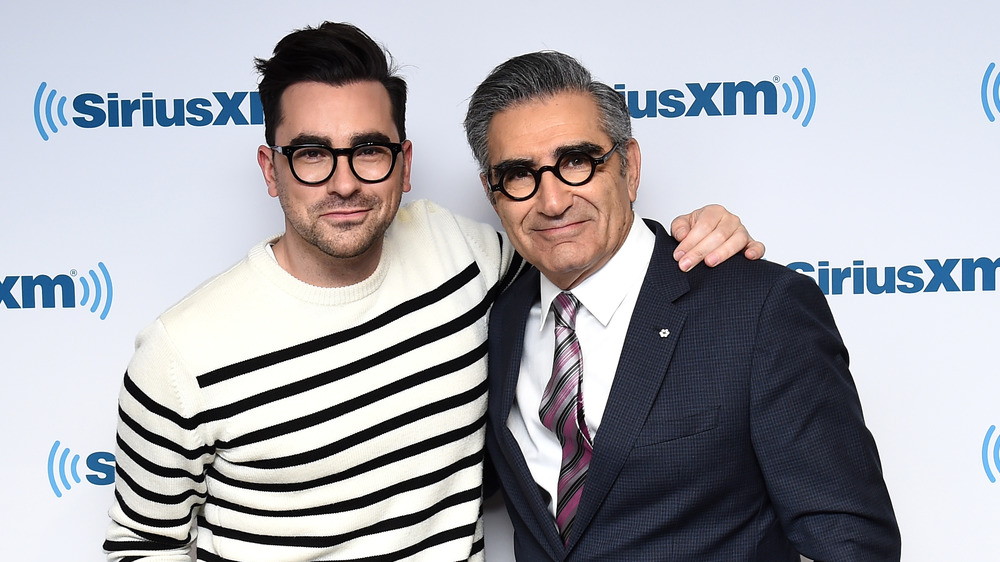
column 201, row 116
column 48, row 286
column 147, row 109
column 910, row 275
column 96, row 111
column 102, row 464
column 113, row 110
column 942, row 275
column 230, row 108
column 86, row 105
column 969, row 267
column 128, row 109
column 976, row 274
column 824, row 277
column 670, row 100
column 750, row 94
column 888, row 285
column 801, row 267
column 256, row 109
column 177, row 119
column 703, row 99
column 633, row 105
column 859, row 277
column 6, row 291
column 839, row 276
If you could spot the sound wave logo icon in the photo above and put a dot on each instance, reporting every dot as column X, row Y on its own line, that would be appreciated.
column 987, row 457
column 986, row 93
column 800, row 98
column 64, row 469
column 62, row 463
column 108, row 291
column 60, row 111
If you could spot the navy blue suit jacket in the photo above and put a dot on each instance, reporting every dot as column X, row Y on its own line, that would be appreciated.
column 737, row 437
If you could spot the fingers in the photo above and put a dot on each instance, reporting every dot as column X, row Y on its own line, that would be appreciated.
column 681, row 227
column 712, row 234
column 754, row 250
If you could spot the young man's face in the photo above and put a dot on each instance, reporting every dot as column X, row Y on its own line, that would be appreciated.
column 567, row 232
column 344, row 218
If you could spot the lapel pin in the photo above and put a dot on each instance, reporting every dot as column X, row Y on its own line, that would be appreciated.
column 664, row 333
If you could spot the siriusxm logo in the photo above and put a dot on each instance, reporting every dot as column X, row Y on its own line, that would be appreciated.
column 96, row 290
column 738, row 98
column 113, row 110
column 100, row 463
column 974, row 274
column 990, row 92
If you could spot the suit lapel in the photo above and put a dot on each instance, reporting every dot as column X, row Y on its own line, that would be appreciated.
column 653, row 331
column 530, row 505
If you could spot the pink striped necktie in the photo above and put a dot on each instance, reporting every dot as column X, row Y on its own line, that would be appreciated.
column 561, row 410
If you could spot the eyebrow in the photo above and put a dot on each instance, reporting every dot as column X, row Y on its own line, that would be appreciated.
column 356, row 139
column 585, row 147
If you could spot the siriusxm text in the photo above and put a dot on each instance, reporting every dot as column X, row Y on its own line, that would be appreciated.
column 112, row 110
column 697, row 99
column 35, row 286
column 949, row 275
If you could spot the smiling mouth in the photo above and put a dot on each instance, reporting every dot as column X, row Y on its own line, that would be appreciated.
column 558, row 229
column 345, row 214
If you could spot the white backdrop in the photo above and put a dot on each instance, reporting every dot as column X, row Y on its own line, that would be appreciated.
column 894, row 172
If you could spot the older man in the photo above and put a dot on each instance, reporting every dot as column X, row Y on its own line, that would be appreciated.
column 637, row 412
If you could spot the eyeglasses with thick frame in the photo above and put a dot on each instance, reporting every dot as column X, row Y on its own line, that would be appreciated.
column 579, row 165
column 351, row 153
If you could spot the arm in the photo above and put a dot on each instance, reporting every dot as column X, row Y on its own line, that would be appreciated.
column 161, row 459
column 819, row 461
column 712, row 234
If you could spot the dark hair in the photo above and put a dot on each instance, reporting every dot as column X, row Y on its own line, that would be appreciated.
column 334, row 54
column 537, row 75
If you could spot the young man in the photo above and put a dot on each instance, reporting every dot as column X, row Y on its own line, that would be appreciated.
column 324, row 398
column 637, row 412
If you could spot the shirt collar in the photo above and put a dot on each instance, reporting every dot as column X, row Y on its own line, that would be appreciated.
column 603, row 292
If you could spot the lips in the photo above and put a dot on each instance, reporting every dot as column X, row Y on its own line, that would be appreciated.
column 562, row 229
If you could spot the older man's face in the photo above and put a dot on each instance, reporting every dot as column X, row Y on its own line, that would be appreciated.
column 567, row 232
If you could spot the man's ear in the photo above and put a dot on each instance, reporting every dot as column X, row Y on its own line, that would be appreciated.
column 491, row 195
column 265, row 158
column 633, row 168
column 407, row 163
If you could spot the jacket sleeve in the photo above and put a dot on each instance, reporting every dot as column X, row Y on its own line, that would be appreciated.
column 819, row 461
column 161, row 457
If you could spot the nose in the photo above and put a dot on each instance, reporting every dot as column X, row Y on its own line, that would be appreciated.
column 343, row 181
column 554, row 197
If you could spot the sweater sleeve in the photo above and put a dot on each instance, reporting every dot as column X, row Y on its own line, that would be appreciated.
column 161, row 456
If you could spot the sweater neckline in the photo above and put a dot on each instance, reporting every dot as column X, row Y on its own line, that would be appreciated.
column 263, row 260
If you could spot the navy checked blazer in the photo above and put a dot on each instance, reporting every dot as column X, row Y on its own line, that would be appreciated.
column 738, row 436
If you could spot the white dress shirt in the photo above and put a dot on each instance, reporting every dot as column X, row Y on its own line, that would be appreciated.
column 608, row 298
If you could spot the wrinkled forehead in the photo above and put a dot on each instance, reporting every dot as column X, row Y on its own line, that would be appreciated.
column 543, row 127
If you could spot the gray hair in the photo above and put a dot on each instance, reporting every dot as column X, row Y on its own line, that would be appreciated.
column 538, row 75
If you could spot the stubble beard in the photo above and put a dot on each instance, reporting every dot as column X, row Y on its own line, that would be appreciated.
column 342, row 241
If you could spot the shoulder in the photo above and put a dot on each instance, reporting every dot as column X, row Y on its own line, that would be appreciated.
column 230, row 286
column 428, row 216
column 425, row 226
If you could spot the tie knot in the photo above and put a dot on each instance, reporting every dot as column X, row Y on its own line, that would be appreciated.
column 565, row 307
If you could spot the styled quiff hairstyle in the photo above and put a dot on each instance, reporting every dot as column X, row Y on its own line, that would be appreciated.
column 540, row 75
column 334, row 54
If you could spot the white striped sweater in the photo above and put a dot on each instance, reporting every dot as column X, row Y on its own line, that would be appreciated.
column 269, row 420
